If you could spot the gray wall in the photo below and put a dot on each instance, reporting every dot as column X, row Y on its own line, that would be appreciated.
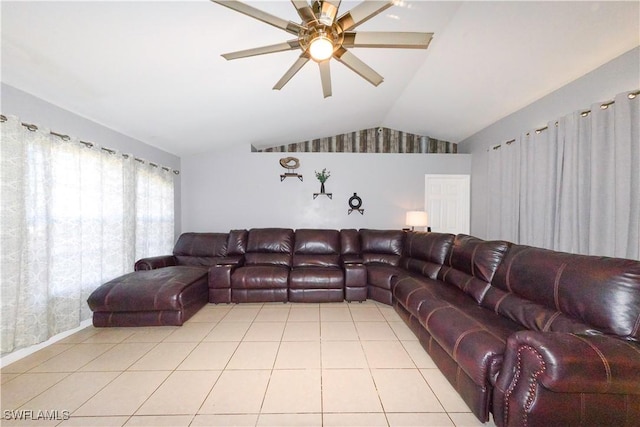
column 30, row 109
column 236, row 188
column 602, row 84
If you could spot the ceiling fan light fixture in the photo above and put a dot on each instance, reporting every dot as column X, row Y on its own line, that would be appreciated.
column 323, row 35
column 321, row 48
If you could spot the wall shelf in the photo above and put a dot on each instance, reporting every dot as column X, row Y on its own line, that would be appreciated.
column 290, row 175
column 329, row 195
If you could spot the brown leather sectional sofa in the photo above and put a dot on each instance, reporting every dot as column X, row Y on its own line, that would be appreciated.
column 533, row 336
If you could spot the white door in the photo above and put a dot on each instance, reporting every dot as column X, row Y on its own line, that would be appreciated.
column 447, row 200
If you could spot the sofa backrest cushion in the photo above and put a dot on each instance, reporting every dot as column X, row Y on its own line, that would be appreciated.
column 316, row 248
column 350, row 242
column 472, row 263
column 237, row 243
column 425, row 253
column 269, row 246
column 568, row 292
column 200, row 248
column 381, row 246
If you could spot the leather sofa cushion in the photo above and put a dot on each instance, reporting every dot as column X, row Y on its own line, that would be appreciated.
column 536, row 317
column 209, row 249
column 387, row 242
column 319, row 248
column 546, row 290
column 371, row 258
column 411, row 291
column 317, row 242
column 381, row 275
column 260, row 277
column 316, row 261
column 147, row 290
column 472, row 263
column 472, row 336
column 425, row 253
column 350, row 242
column 270, row 240
column 316, row 278
column 201, row 245
column 237, row 243
column 257, row 258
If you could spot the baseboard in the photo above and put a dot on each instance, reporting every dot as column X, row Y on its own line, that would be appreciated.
column 24, row 352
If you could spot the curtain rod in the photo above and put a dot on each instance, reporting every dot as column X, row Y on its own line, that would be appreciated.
column 63, row 137
column 585, row 113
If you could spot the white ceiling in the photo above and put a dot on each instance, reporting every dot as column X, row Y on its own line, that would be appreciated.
column 153, row 71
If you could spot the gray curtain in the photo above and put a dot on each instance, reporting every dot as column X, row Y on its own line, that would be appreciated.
column 574, row 186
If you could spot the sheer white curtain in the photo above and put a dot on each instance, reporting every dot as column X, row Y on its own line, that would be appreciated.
column 577, row 183
column 154, row 210
column 72, row 218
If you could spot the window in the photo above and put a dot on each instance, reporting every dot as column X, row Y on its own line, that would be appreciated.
column 73, row 217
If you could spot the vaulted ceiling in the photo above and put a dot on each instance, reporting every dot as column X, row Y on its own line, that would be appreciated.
column 152, row 69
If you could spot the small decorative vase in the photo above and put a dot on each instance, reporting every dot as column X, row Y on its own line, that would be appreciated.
column 322, row 188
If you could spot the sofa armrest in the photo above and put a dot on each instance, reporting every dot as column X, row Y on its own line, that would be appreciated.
column 579, row 378
column 355, row 275
column 152, row 263
column 569, row 363
column 220, row 276
column 220, row 283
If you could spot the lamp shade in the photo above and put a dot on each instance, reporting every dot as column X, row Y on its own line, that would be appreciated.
column 417, row 219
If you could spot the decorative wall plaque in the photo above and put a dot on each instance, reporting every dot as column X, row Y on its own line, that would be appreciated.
column 290, row 164
column 355, row 202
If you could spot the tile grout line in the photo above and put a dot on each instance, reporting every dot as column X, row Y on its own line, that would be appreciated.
column 70, row 373
column 201, row 340
column 224, row 368
column 372, row 378
column 266, row 389
column 171, row 372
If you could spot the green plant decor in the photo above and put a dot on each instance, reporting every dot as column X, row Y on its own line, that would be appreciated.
column 322, row 177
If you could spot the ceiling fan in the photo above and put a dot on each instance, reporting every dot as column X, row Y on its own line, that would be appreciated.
column 322, row 35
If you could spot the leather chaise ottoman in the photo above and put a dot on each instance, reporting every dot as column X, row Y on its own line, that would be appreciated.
column 160, row 297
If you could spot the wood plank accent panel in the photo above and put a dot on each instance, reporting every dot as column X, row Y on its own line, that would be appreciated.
column 373, row 140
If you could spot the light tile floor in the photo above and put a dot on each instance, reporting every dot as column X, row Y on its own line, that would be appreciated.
column 240, row 365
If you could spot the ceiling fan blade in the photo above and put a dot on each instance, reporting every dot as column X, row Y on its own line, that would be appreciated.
column 387, row 39
column 325, row 77
column 328, row 12
column 303, row 59
column 362, row 13
column 359, row 67
column 260, row 15
column 280, row 47
column 304, row 10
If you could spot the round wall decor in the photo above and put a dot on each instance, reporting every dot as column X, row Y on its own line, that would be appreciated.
column 355, row 202
column 290, row 163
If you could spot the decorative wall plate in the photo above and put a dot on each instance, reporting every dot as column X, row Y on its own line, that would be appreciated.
column 354, row 204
